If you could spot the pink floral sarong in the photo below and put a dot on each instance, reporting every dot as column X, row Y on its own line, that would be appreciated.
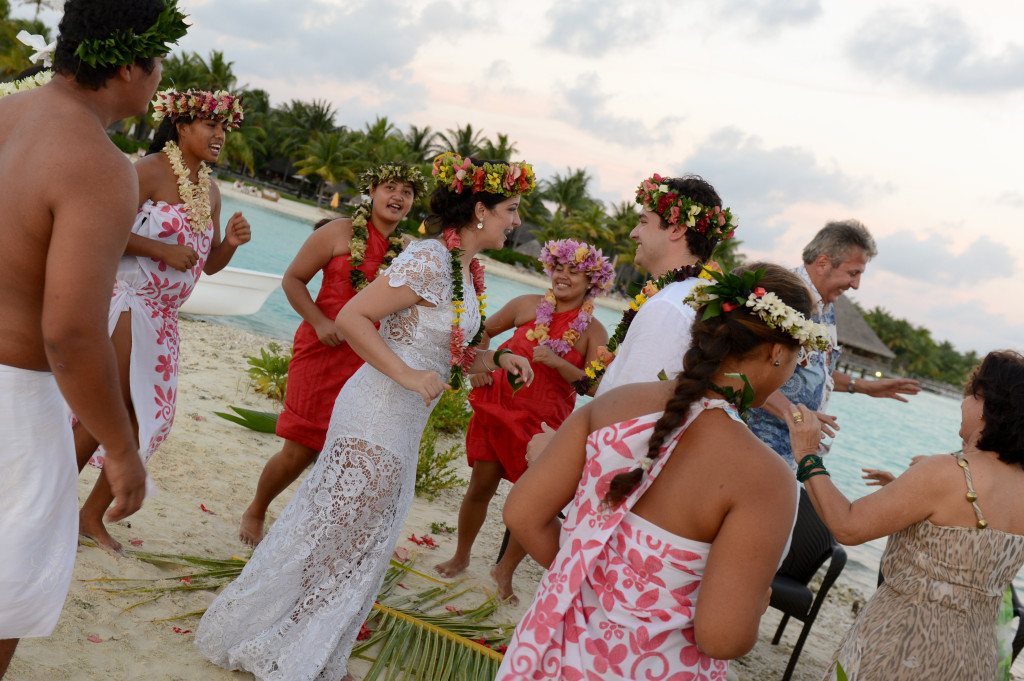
column 153, row 292
column 619, row 599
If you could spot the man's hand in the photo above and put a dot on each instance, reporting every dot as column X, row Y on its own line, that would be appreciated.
column 890, row 387
column 181, row 258
column 127, row 478
column 237, row 231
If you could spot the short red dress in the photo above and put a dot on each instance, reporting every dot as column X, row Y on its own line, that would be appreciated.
column 503, row 423
column 318, row 372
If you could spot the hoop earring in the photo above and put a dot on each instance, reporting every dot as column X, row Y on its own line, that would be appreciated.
column 480, row 225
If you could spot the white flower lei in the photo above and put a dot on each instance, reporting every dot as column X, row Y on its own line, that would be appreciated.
column 196, row 197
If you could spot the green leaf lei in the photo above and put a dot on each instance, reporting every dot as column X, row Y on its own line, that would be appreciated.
column 357, row 247
column 126, row 47
column 595, row 371
column 740, row 399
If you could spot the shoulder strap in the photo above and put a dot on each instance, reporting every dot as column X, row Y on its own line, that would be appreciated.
column 972, row 496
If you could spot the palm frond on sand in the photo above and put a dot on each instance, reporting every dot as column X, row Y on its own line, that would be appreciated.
column 408, row 635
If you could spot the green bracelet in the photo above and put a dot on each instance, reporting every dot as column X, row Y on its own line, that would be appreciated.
column 810, row 462
column 808, row 476
column 497, row 357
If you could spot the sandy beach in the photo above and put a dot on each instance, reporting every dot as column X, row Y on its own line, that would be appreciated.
column 209, row 462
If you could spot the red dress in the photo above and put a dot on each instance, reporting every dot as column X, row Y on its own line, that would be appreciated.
column 317, row 372
column 502, row 424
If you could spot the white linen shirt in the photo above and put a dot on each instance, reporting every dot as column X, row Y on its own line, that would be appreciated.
column 656, row 340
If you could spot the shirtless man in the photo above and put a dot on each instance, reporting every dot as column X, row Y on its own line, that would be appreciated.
column 67, row 201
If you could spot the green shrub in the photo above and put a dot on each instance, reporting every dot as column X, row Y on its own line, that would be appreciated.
column 451, row 415
column 433, row 473
column 269, row 372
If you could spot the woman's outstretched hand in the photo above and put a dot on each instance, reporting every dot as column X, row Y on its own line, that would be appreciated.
column 517, row 366
column 427, row 383
column 804, row 431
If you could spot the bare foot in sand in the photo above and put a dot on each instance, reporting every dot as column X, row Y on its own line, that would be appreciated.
column 504, row 581
column 250, row 530
column 452, row 566
column 97, row 531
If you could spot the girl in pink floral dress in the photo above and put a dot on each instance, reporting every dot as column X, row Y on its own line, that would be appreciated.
column 671, row 497
column 175, row 238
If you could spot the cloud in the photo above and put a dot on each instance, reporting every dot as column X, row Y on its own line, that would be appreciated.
column 937, row 51
column 1012, row 198
column 771, row 14
column 587, row 109
column 931, row 259
column 593, row 28
column 759, row 183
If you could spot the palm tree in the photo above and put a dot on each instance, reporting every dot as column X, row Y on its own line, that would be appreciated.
column 182, row 72
column 217, row 72
column 420, row 142
column 501, row 152
column 462, row 141
column 568, row 192
column 325, row 158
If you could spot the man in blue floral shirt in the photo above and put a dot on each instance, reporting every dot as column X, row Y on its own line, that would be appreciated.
column 834, row 261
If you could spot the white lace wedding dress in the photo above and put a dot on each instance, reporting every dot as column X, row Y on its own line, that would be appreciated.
column 297, row 607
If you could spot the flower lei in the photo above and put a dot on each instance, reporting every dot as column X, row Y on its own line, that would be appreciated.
column 713, row 222
column 27, row 83
column 127, row 46
column 605, row 354
column 357, row 247
column 220, row 106
column 545, row 312
column 196, row 197
column 730, row 291
column 462, row 355
column 456, row 174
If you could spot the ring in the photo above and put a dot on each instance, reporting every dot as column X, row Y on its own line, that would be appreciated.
column 798, row 417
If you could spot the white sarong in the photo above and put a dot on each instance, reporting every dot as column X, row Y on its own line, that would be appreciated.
column 38, row 503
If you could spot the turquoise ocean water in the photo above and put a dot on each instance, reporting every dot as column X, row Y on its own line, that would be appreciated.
column 875, row 433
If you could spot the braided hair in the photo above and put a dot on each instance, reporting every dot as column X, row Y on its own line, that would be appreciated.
column 733, row 334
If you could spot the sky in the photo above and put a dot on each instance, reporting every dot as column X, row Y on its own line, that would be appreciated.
column 906, row 115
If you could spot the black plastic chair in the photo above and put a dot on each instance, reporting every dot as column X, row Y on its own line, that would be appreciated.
column 1018, row 610
column 812, row 545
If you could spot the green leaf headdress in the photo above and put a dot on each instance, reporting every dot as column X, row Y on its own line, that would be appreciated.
column 393, row 172
column 126, row 47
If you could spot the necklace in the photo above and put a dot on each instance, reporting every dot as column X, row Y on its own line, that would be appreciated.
column 196, row 197
column 606, row 354
column 545, row 312
column 462, row 355
column 357, row 247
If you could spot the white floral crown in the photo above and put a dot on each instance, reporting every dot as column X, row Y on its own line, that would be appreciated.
column 730, row 291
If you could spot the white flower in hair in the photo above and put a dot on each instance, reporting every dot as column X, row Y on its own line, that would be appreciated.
column 646, row 463
column 43, row 52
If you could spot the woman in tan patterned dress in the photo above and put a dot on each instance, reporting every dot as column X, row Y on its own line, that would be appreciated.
column 957, row 539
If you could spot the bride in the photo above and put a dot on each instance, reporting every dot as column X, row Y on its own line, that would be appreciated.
column 296, row 609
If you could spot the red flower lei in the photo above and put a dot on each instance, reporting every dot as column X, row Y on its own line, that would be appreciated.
column 462, row 356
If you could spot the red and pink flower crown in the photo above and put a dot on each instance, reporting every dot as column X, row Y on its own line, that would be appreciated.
column 714, row 222
column 458, row 174
column 581, row 257
column 220, row 106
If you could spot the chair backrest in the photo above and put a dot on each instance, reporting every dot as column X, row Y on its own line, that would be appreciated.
column 811, row 546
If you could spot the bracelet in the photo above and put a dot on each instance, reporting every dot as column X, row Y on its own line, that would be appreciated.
column 810, row 466
column 497, row 356
column 820, row 471
column 853, row 382
column 483, row 358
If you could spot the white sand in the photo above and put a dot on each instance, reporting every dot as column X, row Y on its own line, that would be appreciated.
column 209, row 461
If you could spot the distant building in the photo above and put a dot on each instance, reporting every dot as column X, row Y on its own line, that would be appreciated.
column 864, row 353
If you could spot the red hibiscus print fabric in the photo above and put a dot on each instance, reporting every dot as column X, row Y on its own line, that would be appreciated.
column 152, row 292
column 619, row 600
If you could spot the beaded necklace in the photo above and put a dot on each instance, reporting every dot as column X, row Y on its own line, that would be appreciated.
column 357, row 247
column 462, row 355
column 545, row 312
column 606, row 354
column 196, row 197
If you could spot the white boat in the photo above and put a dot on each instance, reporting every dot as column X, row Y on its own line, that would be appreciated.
column 232, row 291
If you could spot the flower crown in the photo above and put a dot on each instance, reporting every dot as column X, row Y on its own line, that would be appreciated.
column 393, row 172
column 713, row 222
column 731, row 291
column 457, row 174
column 220, row 106
column 583, row 258
column 126, row 46
column 27, row 83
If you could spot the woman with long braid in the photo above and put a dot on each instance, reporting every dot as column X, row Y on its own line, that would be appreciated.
column 670, row 494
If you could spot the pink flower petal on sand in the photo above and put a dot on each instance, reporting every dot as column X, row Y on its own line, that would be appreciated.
column 94, row 639
column 401, row 554
column 206, row 510
column 135, row 542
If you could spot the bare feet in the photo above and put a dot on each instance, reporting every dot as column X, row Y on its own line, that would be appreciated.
column 250, row 530
column 452, row 566
column 97, row 531
column 504, row 581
